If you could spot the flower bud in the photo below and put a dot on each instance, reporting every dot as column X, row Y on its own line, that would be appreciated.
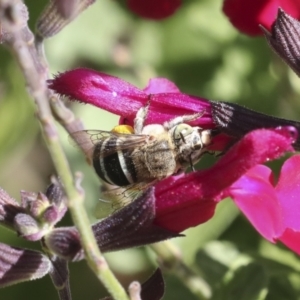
column 64, row 242
column 38, row 206
column 9, row 208
column 58, row 14
column 284, row 39
column 27, row 227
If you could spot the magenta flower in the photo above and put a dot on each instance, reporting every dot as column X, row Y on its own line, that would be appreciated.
column 190, row 199
column 273, row 209
column 246, row 15
column 154, row 9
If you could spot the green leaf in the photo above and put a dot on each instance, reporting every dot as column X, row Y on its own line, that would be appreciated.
column 214, row 259
column 176, row 290
column 273, row 267
column 15, row 113
column 281, row 288
column 247, row 282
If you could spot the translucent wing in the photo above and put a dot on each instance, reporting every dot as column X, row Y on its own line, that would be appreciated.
column 88, row 139
column 115, row 197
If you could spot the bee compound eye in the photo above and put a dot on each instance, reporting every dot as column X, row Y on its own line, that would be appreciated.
column 181, row 131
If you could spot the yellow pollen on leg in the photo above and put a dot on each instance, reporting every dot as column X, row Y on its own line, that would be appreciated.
column 125, row 129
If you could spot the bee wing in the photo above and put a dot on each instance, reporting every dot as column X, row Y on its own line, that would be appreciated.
column 117, row 197
column 86, row 140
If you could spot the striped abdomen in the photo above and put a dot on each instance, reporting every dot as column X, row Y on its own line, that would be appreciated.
column 116, row 168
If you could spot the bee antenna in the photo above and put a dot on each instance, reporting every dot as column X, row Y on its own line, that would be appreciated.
column 182, row 137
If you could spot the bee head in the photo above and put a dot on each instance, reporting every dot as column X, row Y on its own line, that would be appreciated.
column 195, row 137
column 191, row 142
column 181, row 132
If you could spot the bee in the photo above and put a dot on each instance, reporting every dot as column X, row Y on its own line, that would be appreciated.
column 148, row 155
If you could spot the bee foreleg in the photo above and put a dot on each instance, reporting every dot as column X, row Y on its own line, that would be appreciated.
column 182, row 119
column 191, row 163
column 140, row 119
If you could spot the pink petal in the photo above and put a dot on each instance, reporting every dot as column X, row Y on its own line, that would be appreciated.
column 166, row 106
column 292, row 7
column 189, row 215
column 154, row 9
column 256, row 197
column 99, row 89
column 194, row 192
column 288, row 192
column 122, row 98
column 161, row 85
column 291, row 239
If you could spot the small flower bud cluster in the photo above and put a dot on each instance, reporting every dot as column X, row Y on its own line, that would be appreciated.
column 41, row 212
column 37, row 214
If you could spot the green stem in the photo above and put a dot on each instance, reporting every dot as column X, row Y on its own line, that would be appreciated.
column 35, row 72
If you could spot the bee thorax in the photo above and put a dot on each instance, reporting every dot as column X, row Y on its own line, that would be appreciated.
column 161, row 162
column 156, row 161
column 153, row 129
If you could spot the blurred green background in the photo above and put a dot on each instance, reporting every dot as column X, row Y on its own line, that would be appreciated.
column 204, row 55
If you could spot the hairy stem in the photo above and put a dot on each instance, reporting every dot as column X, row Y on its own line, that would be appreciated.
column 21, row 41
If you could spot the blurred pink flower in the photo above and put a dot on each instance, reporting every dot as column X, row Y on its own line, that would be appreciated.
column 246, row 15
column 154, row 9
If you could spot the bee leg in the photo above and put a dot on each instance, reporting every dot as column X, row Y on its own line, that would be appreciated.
column 182, row 119
column 191, row 164
column 140, row 118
